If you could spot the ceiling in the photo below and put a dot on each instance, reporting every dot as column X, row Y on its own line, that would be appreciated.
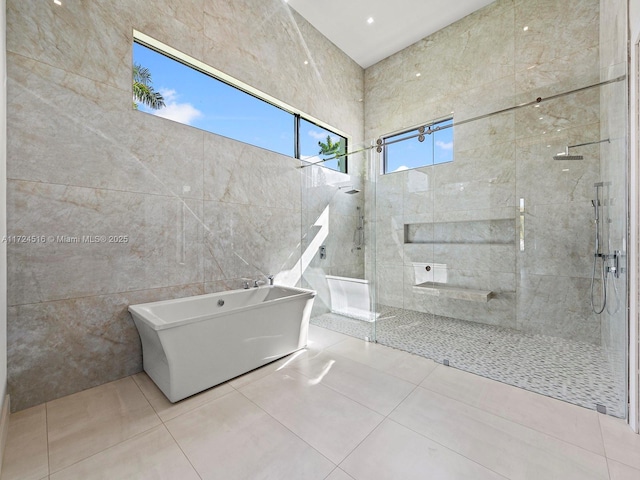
column 396, row 23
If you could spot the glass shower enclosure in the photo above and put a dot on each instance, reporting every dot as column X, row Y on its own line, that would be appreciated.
column 510, row 260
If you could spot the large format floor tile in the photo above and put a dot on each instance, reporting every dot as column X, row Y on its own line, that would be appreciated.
column 265, row 370
column 393, row 451
column 233, row 439
column 152, row 455
column 411, row 368
column 620, row 471
column 88, row 422
column 620, row 443
column 514, row 451
column 321, row 338
column 372, row 388
column 167, row 410
column 339, row 474
column 330, row 422
column 26, row 456
column 562, row 420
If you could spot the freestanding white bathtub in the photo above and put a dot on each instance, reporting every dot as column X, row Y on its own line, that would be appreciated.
column 191, row 344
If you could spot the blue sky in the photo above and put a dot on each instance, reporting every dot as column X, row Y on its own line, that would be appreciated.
column 436, row 148
column 196, row 99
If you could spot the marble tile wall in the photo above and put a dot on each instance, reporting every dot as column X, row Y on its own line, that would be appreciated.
column 508, row 53
column 199, row 211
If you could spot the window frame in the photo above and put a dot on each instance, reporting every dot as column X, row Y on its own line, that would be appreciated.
column 188, row 61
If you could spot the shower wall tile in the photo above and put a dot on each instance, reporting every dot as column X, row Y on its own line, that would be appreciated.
column 390, row 281
column 481, row 99
column 497, row 129
column 613, row 32
column 551, row 32
column 575, row 70
column 162, row 248
column 542, row 180
column 557, row 306
column 503, row 258
column 61, row 347
column 558, row 240
column 389, row 240
column 577, row 109
column 396, row 98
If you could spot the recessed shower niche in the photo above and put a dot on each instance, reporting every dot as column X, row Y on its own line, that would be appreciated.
column 472, row 232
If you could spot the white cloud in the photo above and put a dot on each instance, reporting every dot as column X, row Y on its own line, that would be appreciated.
column 180, row 112
column 443, row 145
column 169, row 95
column 321, row 135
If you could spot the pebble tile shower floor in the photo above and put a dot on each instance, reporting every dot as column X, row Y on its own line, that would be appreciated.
column 576, row 372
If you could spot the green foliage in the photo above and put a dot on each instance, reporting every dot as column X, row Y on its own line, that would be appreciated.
column 143, row 91
column 330, row 148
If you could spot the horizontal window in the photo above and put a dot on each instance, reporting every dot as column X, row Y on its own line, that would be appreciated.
column 402, row 152
column 168, row 85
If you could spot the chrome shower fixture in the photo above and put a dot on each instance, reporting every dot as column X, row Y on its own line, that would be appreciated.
column 351, row 190
column 565, row 155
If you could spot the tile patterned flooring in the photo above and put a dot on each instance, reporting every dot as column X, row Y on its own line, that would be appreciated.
column 576, row 372
column 342, row 409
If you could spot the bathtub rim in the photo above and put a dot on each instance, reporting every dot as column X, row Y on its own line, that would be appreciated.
column 140, row 311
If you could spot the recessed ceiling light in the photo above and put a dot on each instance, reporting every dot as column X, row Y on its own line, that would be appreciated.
column 418, row 74
column 526, row 27
column 565, row 169
column 536, row 106
column 370, row 20
column 540, row 118
column 57, row 2
column 306, row 62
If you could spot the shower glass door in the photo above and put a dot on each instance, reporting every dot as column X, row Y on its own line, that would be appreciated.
column 489, row 263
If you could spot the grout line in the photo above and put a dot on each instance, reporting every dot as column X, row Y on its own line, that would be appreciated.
column 448, row 448
column 512, row 422
column 106, row 294
column 288, row 429
column 182, row 450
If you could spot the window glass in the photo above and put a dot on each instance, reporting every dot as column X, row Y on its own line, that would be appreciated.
column 400, row 154
column 194, row 98
column 317, row 144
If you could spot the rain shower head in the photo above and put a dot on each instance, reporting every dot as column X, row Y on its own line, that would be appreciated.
column 350, row 190
column 565, row 155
